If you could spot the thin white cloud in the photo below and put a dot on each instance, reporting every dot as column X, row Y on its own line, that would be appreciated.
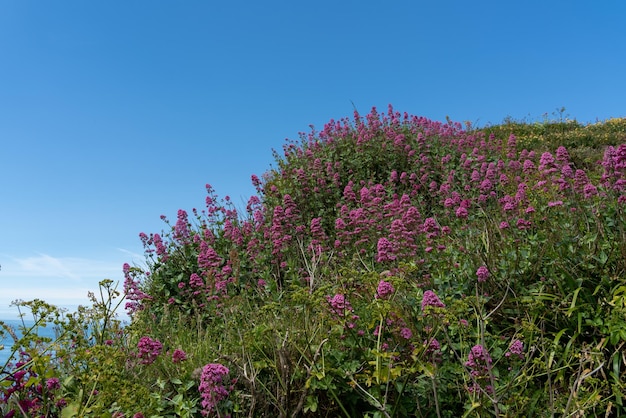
column 46, row 266
column 72, row 269
column 134, row 258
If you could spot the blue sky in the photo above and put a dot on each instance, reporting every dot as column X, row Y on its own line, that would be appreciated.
column 113, row 113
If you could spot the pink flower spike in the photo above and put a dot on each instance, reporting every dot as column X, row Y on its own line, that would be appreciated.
column 385, row 289
column 482, row 273
column 431, row 299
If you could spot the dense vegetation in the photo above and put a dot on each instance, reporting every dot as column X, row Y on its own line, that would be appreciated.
column 389, row 266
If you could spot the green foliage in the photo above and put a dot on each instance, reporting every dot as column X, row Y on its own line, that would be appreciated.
column 391, row 266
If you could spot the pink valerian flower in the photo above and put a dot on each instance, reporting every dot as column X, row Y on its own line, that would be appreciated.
column 317, row 231
column 431, row 228
column 53, row 383
column 385, row 290
column 339, row 305
column 523, row 224
column 482, row 273
column 406, row 333
column 433, row 350
column 385, row 250
column 132, row 290
column 562, row 155
column 614, row 163
column 566, row 171
column 529, row 166
column 178, row 356
column 479, row 365
column 589, row 190
column 545, row 161
column 161, row 249
column 461, row 212
column 580, row 179
column 211, row 388
column 430, row 299
column 196, row 281
column 508, row 203
column 149, row 349
column 512, row 143
column 181, row 229
column 207, row 257
column 516, row 349
column 486, row 185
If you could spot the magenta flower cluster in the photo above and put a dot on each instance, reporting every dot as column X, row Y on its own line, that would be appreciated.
column 384, row 290
column 212, row 387
column 148, row 350
column 430, row 299
column 178, row 356
column 482, row 273
column 28, row 399
column 516, row 350
column 479, row 364
column 339, row 305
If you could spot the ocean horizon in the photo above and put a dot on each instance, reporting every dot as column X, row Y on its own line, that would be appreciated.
column 6, row 340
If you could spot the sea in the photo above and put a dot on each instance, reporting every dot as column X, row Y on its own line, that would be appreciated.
column 6, row 341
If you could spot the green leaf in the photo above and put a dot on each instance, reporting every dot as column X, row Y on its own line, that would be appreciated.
column 71, row 410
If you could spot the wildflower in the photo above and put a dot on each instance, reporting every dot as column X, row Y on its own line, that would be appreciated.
column 562, row 155
column 589, row 190
column 545, row 160
column 528, row 166
column 516, row 349
column 339, row 305
column 385, row 250
column 566, row 171
column 461, row 212
column 181, row 229
column 523, row 224
column 195, row 280
column 504, row 225
column 385, row 289
column 211, row 388
column 511, row 143
column 53, row 383
column 555, row 203
column 178, row 356
column 482, row 273
column 406, row 333
column 149, row 349
column 485, row 185
column 479, row 364
column 431, row 299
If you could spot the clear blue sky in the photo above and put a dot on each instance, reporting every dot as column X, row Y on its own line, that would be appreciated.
column 115, row 112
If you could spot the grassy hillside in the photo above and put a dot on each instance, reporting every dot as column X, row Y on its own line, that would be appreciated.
column 388, row 266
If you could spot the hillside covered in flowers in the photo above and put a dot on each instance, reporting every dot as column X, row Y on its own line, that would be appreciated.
column 388, row 266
